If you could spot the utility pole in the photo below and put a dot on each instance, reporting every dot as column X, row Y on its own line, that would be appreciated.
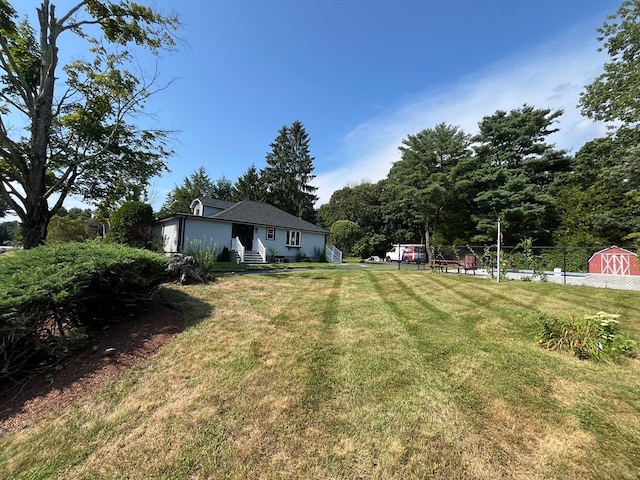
column 498, row 256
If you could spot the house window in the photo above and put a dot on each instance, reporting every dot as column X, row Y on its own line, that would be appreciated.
column 293, row 238
column 271, row 233
column 197, row 210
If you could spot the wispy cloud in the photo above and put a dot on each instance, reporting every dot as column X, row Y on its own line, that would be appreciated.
column 550, row 76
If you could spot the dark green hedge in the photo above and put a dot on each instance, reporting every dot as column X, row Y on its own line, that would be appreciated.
column 49, row 294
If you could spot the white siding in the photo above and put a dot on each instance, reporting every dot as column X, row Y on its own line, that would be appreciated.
column 168, row 231
column 219, row 233
column 201, row 210
column 208, row 211
column 308, row 243
column 207, row 232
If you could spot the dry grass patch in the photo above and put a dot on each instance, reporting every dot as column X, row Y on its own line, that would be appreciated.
column 354, row 374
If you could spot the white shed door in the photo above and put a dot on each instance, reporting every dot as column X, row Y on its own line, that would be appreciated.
column 615, row 264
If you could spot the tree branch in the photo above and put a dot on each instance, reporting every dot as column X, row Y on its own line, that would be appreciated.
column 15, row 74
column 13, row 154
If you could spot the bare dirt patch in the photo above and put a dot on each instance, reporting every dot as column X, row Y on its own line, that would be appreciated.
column 133, row 342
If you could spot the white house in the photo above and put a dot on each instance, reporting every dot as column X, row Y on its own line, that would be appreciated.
column 254, row 232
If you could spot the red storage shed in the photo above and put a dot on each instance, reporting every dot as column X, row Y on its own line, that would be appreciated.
column 614, row 261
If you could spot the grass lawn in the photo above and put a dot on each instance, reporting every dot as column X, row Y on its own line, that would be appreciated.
column 356, row 374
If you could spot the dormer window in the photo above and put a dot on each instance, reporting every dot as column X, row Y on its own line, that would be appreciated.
column 197, row 207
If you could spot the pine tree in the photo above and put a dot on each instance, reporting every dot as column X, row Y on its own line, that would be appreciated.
column 179, row 199
column 288, row 173
column 250, row 186
column 421, row 186
column 514, row 170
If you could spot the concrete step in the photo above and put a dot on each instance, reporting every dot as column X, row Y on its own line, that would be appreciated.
column 249, row 257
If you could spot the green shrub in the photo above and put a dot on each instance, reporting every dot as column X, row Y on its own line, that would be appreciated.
column 522, row 257
column 65, row 229
column 131, row 225
column 50, row 295
column 571, row 260
column 225, row 255
column 591, row 336
column 370, row 244
column 319, row 254
column 204, row 251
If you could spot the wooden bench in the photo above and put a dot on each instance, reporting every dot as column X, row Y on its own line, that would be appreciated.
column 443, row 266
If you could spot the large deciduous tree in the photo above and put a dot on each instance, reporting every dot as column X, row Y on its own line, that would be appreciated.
column 64, row 128
column 289, row 172
column 344, row 235
column 362, row 205
column 615, row 94
column 599, row 203
column 614, row 97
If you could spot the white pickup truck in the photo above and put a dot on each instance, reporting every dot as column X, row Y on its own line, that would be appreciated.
column 406, row 253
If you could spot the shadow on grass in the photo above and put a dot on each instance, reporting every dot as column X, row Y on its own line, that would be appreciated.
column 109, row 354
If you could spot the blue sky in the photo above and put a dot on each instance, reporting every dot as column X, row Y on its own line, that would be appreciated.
column 361, row 76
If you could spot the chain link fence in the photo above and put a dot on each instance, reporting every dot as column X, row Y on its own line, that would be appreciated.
column 603, row 266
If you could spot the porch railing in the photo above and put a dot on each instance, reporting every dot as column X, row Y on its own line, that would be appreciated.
column 236, row 245
column 332, row 254
column 262, row 251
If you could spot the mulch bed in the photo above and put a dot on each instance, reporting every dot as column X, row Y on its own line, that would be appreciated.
column 117, row 349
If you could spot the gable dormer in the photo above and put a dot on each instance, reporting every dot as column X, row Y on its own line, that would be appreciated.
column 197, row 208
column 206, row 207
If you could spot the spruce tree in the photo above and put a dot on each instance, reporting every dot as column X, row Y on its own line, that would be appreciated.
column 250, row 186
column 289, row 172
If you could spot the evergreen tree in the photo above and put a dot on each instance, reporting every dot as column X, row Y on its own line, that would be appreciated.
column 223, row 189
column 198, row 185
column 250, row 186
column 289, row 172
column 512, row 173
column 421, row 186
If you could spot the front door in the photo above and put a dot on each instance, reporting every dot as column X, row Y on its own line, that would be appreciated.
column 244, row 234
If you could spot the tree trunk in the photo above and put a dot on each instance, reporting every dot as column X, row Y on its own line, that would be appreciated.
column 35, row 224
column 37, row 215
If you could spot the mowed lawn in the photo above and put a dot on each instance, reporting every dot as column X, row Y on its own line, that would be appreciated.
column 356, row 374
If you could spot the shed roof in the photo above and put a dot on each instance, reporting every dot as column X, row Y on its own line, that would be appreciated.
column 613, row 250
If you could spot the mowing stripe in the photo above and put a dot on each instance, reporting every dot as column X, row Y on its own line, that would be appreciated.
column 322, row 354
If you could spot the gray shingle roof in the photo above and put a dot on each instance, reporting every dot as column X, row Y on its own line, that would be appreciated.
column 214, row 202
column 257, row 213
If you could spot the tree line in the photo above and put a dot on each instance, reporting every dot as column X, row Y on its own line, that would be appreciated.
column 285, row 181
column 448, row 186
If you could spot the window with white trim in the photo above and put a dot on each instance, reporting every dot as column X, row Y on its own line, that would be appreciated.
column 293, row 238
column 271, row 233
